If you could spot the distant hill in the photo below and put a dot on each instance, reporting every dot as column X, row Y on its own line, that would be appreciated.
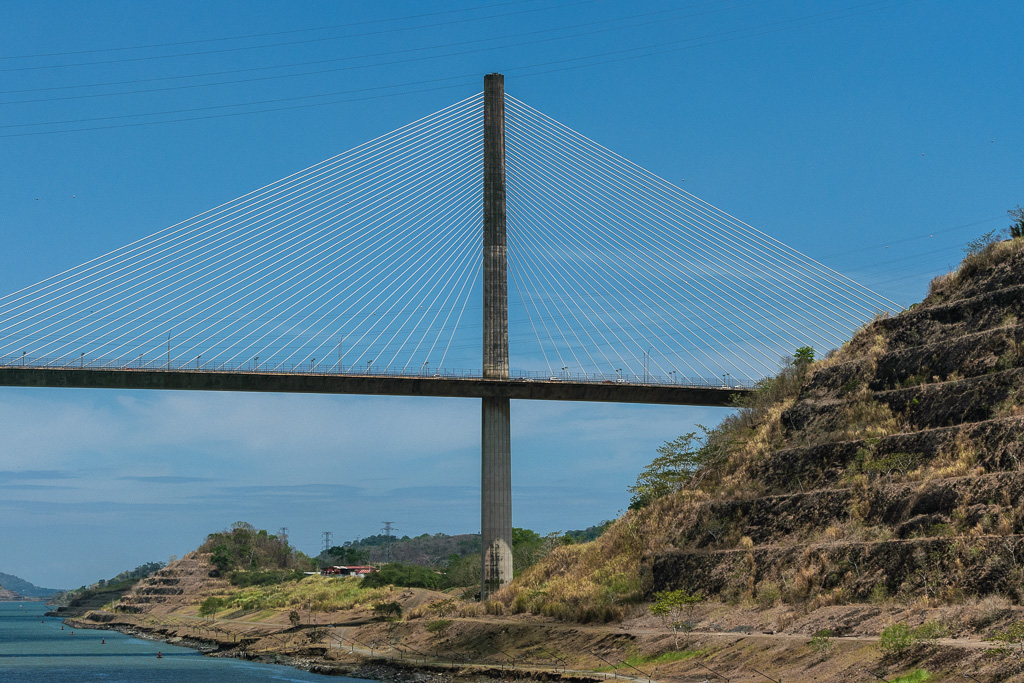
column 23, row 587
column 8, row 596
column 423, row 550
column 428, row 550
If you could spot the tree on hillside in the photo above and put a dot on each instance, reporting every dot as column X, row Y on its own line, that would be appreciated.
column 1017, row 227
column 242, row 546
column 211, row 605
column 982, row 242
column 670, row 605
column 591, row 533
column 804, row 356
column 680, row 463
column 345, row 555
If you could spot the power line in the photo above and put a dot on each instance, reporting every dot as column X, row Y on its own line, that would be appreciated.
column 619, row 55
column 258, row 47
column 916, row 237
column 490, row 41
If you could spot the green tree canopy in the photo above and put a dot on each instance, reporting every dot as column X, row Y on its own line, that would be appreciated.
column 242, row 546
column 406, row 575
column 677, row 463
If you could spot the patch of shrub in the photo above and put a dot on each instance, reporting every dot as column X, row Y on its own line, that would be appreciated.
column 267, row 577
column 895, row 640
column 212, row 605
column 388, row 610
column 242, row 546
column 915, row 676
column 930, row 631
column 821, row 642
column 404, row 575
column 438, row 625
column 1011, row 639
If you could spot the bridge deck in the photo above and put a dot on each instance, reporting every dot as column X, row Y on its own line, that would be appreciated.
column 318, row 383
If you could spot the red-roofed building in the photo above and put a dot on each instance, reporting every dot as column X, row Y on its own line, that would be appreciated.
column 359, row 571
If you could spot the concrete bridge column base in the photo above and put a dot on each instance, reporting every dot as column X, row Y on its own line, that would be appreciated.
column 496, row 500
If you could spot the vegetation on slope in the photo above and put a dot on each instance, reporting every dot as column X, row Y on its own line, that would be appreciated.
column 80, row 600
column 311, row 593
column 457, row 557
column 818, row 427
column 242, row 547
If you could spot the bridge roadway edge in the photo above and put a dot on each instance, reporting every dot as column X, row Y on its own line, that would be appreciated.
column 368, row 385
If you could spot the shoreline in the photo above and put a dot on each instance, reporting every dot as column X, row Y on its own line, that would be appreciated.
column 350, row 663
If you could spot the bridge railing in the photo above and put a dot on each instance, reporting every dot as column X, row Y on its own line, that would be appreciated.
column 198, row 365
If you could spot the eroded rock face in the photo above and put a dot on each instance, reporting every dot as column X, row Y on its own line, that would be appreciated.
column 898, row 469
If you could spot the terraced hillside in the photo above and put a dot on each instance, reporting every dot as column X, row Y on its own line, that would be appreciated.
column 159, row 593
column 895, row 470
column 890, row 468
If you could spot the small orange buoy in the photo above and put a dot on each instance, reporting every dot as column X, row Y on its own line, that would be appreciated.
column 103, row 642
column 159, row 655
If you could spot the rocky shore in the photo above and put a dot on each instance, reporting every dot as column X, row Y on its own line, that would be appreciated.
column 330, row 661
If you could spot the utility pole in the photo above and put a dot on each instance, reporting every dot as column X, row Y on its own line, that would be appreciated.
column 496, row 445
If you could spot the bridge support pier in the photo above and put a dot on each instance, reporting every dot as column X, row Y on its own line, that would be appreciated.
column 496, row 445
column 496, row 495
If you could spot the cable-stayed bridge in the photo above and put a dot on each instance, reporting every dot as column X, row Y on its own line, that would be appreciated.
column 380, row 270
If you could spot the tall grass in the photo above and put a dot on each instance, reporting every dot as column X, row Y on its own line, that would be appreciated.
column 318, row 593
column 945, row 286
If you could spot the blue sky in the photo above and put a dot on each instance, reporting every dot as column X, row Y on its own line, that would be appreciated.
column 876, row 137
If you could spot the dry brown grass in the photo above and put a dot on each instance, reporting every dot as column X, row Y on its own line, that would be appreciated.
column 956, row 460
column 869, row 342
column 602, row 580
column 750, row 445
column 945, row 286
column 597, row 581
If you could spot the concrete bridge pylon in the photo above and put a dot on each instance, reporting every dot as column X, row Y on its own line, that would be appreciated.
column 495, row 437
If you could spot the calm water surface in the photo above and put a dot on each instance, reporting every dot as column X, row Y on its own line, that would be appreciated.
column 33, row 648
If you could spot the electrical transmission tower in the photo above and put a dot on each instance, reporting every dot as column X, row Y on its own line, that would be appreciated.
column 387, row 540
column 327, row 541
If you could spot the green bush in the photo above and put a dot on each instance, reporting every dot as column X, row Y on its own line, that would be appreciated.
column 896, row 640
column 438, row 625
column 916, row 676
column 1012, row 639
column 388, row 610
column 212, row 605
column 242, row 546
column 1017, row 227
column 804, row 355
column 821, row 642
column 930, row 631
column 265, row 578
column 405, row 575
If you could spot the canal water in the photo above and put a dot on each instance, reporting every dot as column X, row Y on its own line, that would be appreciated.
column 33, row 648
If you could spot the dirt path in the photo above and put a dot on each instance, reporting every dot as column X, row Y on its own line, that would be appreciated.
column 736, row 635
